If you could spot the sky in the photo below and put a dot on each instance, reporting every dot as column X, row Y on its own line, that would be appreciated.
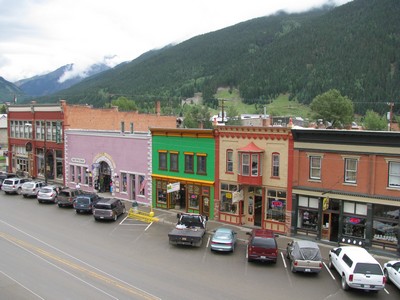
column 39, row 36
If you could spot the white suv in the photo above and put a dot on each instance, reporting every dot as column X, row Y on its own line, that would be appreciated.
column 358, row 269
column 13, row 185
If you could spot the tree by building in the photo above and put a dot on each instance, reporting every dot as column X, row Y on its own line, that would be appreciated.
column 373, row 121
column 334, row 108
column 196, row 116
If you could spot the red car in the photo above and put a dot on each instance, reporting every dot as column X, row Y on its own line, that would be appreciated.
column 262, row 246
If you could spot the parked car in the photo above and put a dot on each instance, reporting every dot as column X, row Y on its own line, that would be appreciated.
column 5, row 175
column 48, row 194
column 391, row 269
column 304, row 256
column 84, row 203
column 13, row 185
column 31, row 188
column 67, row 196
column 262, row 246
column 223, row 239
column 358, row 269
column 108, row 209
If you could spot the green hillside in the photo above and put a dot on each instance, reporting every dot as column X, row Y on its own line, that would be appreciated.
column 352, row 48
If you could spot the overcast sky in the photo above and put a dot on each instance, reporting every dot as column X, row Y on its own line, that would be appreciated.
column 39, row 36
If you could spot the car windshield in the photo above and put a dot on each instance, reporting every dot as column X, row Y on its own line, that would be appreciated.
column 102, row 206
column 64, row 194
column 222, row 235
column 365, row 268
column 264, row 242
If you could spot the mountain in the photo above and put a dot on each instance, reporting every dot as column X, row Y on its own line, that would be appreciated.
column 60, row 79
column 9, row 92
column 352, row 48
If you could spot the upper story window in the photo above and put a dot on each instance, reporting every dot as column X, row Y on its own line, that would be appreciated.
column 315, row 167
column 229, row 161
column 162, row 160
column 245, row 164
column 173, row 160
column 201, row 164
column 189, row 162
column 350, row 170
column 394, row 174
column 275, row 164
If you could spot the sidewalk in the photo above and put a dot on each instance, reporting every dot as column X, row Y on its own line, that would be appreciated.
column 170, row 217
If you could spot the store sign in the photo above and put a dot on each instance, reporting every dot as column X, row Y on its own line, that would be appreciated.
column 173, row 187
column 277, row 203
column 78, row 160
column 354, row 220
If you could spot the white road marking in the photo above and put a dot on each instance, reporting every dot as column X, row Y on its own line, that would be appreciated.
column 283, row 259
column 22, row 285
column 208, row 241
column 329, row 271
column 148, row 226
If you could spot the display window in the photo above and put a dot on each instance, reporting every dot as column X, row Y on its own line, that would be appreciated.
column 227, row 204
column 276, row 209
column 354, row 226
column 308, row 219
column 161, row 191
column 386, row 223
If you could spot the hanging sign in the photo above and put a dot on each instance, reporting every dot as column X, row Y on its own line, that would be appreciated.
column 173, row 187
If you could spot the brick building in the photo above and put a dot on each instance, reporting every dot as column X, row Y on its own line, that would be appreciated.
column 36, row 133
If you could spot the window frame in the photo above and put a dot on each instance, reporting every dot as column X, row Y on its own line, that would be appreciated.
column 201, row 163
column 229, row 161
column 174, row 161
column 315, row 168
column 392, row 175
column 162, row 154
column 275, row 164
column 189, row 160
column 348, row 172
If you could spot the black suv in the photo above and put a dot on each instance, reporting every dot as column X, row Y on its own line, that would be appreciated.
column 84, row 203
column 108, row 209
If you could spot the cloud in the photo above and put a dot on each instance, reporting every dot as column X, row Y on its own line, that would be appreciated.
column 43, row 35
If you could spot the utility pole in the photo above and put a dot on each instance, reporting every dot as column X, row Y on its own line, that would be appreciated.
column 391, row 104
column 222, row 109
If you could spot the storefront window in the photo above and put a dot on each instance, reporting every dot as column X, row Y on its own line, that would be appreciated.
column 308, row 213
column 386, row 223
column 276, row 205
column 354, row 227
column 142, row 183
column 194, row 193
column 72, row 173
column 161, row 192
column 40, row 162
column 59, row 165
column 79, row 174
column 227, row 204
column 124, row 179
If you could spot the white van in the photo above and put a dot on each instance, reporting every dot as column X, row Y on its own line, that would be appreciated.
column 358, row 269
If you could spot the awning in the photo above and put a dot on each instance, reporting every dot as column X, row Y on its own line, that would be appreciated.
column 251, row 148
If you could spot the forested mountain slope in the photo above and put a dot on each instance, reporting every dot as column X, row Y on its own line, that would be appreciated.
column 353, row 48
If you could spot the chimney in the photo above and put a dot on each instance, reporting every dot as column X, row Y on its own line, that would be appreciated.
column 158, row 108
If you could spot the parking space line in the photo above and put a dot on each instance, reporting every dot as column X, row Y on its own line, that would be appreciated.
column 329, row 271
column 283, row 259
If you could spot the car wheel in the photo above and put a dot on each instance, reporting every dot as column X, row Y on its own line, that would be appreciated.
column 386, row 273
column 292, row 268
column 345, row 286
column 330, row 264
column 19, row 191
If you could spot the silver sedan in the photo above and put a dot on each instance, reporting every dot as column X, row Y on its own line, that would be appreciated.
column 224, row 239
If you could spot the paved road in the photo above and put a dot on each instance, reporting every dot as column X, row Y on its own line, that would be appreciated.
column 53, row 253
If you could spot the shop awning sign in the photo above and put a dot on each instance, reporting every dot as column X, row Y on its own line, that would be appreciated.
column 173, row 187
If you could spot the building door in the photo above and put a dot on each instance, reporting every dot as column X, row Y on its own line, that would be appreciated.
column 104, row 177
column 257, row 210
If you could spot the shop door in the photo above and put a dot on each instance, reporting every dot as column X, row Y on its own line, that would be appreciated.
column 257, row 210
column 334, row 234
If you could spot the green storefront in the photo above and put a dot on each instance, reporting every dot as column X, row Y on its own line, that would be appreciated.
column 183, row 169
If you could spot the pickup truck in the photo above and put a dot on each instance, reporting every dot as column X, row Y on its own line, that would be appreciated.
column 189, row 230
column 304, row 256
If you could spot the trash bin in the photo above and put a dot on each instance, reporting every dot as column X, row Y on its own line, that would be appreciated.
column 135, row 206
